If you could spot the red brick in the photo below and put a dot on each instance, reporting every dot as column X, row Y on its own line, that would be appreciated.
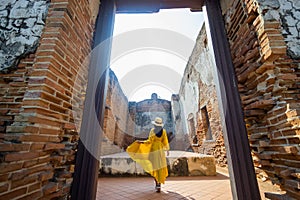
column 35, row 186
column 50, row 188
column 14, row 147
column 13, row 194
column 37, row 146
column 4, row 177
column 45, row 121
column 289, row 149
column 19, row 174
column 10, row 167
column 46, row 176
column 50, row 131
column 34, row 195
column 38, row 138
column 31, row 129
column 25, row 181
column 38, row 161
column 35, row 169
column 51, row 146
column 4, row 187
column 35, row 103
column 69, row 126
column 21, row 156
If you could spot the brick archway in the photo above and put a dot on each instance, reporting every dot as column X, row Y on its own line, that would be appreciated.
column 243, row 179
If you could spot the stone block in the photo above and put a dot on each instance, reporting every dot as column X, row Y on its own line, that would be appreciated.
column 179, row 164
column 118, row 166
column 202, row 165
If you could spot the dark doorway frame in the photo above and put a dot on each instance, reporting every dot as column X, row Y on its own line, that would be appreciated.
column 242, row 174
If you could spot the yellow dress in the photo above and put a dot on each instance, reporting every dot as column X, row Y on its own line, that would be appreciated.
column 151, row 155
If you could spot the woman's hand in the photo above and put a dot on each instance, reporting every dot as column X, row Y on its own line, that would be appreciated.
column 140, row 141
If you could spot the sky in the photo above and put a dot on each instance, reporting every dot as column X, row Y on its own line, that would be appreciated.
column 142, row 71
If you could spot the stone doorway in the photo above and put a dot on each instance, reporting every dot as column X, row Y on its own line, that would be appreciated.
column 240, row 164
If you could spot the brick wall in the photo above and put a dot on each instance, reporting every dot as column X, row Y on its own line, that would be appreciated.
column 198, row 85
column 38, row 134
column 268, row 81
column 115, row 118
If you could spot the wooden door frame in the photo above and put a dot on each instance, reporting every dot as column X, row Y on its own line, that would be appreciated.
column 242, row 175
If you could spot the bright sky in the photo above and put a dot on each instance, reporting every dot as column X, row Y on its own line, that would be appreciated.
column 143, row 71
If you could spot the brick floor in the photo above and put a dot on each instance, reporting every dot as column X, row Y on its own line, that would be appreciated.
column 188, row 188
column 142, row 188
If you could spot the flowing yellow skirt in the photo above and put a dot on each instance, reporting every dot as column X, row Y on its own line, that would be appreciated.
column 151, row 157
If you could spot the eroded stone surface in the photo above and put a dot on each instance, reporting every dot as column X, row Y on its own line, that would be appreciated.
column 180, row 163
column 286, row 11
column 21, row 25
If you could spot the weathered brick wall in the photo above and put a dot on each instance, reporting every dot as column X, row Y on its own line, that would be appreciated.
column 126, row 121
column 145, row 111
column 38, row 136
column 198, row 85
column 268, row 78
column 115, row 118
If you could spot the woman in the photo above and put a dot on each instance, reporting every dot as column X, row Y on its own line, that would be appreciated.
column 150, row 153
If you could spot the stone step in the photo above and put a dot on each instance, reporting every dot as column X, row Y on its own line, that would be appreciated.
column 180, row 163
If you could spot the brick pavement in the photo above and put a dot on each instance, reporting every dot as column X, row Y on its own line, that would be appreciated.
column 188, row 188
column 142, row 188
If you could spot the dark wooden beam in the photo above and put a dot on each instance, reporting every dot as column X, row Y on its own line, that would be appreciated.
column 84, row 186
column 241, row 169
column 152, row 6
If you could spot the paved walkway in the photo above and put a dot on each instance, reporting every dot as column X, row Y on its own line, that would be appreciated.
column 185, row 188
column 142, row 188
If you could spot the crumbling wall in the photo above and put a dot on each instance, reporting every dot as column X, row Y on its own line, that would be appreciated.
column 115, row 118
column 287, row 13
column 265, row 52
column 197, row 96
column 38, row 135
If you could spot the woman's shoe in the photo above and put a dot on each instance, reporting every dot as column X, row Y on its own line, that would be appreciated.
column 157, row 187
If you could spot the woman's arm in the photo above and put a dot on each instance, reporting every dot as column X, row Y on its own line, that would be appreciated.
column 165, row 141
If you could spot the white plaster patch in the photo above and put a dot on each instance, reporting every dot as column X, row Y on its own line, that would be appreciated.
column 20, row 30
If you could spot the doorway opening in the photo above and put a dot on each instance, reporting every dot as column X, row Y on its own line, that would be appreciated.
column 234, row 131
column 153, row 80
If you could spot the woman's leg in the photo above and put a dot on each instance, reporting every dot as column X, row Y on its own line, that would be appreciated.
column 157, row 186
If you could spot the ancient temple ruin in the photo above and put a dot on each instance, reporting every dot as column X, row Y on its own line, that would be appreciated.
column 44, row 74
